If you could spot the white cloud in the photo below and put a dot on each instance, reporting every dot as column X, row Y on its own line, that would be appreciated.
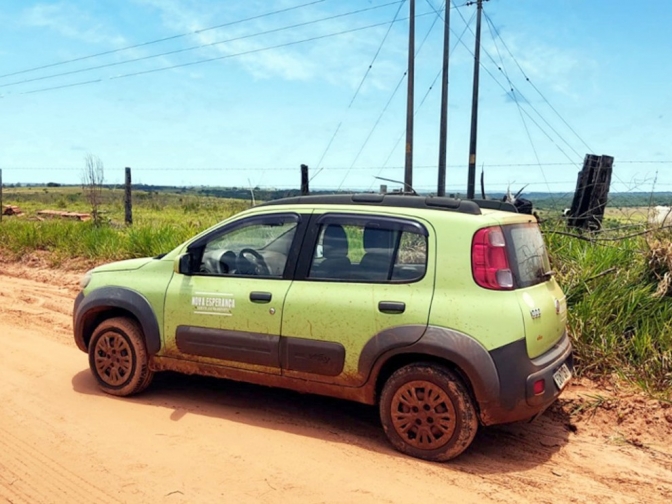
column 339, row 60
column 71, row 22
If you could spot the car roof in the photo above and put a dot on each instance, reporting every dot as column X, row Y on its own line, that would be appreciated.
column 398, row 200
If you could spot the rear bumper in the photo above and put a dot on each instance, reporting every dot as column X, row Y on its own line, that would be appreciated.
column 517, row 375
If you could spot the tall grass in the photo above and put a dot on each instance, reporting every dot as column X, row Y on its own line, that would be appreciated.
column 617, row 318
column 161, row 221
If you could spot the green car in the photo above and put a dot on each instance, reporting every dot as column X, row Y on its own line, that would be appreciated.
column 442, row 312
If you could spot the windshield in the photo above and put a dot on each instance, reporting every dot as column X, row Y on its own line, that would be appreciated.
column 527, row 254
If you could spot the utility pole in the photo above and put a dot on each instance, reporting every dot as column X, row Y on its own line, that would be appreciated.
column 474, row 105
column 408, row 165
column 443, row 133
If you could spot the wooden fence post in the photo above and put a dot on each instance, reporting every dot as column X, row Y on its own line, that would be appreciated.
column 127, row 198
column 304, row 180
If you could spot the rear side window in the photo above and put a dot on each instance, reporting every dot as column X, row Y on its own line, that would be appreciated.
column 364, row 249
column 527, row 254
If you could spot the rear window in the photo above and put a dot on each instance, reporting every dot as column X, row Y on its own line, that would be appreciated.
column 527, row 254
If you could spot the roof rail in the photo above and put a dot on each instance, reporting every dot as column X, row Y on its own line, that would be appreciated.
column 389, row 200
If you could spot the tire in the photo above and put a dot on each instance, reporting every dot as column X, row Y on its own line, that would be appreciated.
column 427, row 412
column 118, row 357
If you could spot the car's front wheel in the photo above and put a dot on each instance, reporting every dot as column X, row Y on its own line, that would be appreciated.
column 427, row 412
column 118, row 357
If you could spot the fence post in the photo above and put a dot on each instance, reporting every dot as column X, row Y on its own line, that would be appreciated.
column 127, row 198
column 304, row 180
column 2, row 208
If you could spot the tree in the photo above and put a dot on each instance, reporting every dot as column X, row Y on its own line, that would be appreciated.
column 92, row 184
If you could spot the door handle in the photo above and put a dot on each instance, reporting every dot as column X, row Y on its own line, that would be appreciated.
column 391, row 307
column 260, row 297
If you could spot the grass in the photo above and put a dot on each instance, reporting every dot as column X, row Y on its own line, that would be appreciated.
column 618, row 319
column 620, row 312
column 161, row 221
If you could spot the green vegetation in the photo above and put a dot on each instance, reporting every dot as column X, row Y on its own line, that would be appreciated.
column 619, row 319
column 161, row 222
column 620, row 313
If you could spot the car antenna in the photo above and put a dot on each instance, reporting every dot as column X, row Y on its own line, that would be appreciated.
column 483, row 181
column 252, row 192
column 406, row 186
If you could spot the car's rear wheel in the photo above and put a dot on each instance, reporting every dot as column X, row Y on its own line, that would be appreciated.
column 118, row 357
column 427, row 412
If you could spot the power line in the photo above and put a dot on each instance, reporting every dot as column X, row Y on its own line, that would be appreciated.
column 537, row 89
column 173, row 37
column 200, row 46
column 424, row 98
column 394, row 92
column 529, row 104
column 218, row 58
column 294, row 168
column 366, row 74
column 513, row 93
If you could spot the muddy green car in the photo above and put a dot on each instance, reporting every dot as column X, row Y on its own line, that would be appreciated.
column 442, row 312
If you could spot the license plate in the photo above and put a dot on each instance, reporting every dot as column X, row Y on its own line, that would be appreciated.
column 562, row 376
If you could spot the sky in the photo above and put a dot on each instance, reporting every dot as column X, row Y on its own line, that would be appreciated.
column 241, row 93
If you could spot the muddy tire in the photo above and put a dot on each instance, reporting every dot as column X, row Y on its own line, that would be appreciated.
column 427, row 412
column 118, row 357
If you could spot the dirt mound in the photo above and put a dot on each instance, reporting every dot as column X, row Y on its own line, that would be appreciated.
column 617, row 413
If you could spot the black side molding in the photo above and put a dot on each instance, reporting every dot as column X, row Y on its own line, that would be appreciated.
column 236, row 346
column 88, row 308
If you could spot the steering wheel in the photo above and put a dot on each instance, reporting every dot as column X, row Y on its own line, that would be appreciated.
column 260, row 266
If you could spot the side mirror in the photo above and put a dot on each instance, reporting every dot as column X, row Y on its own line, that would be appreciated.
column 183, row 264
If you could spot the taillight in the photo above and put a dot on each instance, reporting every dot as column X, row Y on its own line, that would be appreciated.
column 489, row 262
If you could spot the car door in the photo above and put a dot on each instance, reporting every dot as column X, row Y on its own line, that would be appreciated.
column 364, row 284
column 227, row 308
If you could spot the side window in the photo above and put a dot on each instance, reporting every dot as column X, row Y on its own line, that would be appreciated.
column 259, row 247
column 359, row 249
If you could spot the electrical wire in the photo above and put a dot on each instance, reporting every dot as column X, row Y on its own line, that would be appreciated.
column 394, row 92
column 366, row 74
column 513, row 94
column 537, row 89
column 424, row 98
column 219, row 58
column 165, row 39
column 487, row 70
column 200, row 46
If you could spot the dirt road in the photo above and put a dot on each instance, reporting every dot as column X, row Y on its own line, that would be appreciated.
column 200, row 440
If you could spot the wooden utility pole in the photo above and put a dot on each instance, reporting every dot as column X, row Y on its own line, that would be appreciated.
column 128, row 204
column 443, row 133
column 471, row 180
column 408, row 165
column 304, row 180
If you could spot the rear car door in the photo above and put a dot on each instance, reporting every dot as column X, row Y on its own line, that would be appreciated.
column 364, row 284
column 228, row 310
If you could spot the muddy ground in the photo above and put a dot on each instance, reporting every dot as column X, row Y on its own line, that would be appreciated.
column 191, row 439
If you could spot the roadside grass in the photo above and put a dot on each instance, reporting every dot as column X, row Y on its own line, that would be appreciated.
column 161, row 221
column 618, row 319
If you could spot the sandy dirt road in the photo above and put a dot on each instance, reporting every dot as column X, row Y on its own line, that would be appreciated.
column 199, row 440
